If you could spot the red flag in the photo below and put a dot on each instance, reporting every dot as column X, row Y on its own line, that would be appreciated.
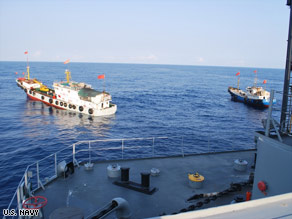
column 238, row 73
column 265, row 81
column 100, row 76
column 67, row 61
column 23, row 73
column 26, row 52
column 16, row 73
column 255, row 71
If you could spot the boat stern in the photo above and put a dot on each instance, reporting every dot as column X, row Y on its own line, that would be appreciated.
column 106, row 111
column 266, row 102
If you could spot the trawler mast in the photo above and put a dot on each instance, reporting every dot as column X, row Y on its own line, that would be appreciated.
column 286, row 112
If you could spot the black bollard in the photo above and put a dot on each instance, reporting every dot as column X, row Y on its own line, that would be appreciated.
column 125, row 174
column 145, row 179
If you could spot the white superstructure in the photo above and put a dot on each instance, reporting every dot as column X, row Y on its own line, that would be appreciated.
column 69, row 95
column 257, row 93
column 83, row 98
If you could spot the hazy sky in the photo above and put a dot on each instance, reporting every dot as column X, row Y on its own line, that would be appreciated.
column 248, row 33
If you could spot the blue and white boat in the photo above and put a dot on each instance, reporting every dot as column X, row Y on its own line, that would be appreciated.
column 255, row 96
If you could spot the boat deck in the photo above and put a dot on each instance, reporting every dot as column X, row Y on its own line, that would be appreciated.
column 90, row 190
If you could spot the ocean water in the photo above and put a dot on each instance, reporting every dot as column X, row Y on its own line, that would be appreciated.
column 153, row 100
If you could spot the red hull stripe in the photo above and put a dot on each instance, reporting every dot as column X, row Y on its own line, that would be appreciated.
column 34, row 98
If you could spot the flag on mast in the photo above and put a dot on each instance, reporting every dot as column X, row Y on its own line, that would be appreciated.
column 101, row 76
column 67, row 61
column 265, row 81
column 26, row 52
column 237, row 74
column 255, row 71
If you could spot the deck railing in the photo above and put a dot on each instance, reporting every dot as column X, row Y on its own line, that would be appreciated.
column 43, row 171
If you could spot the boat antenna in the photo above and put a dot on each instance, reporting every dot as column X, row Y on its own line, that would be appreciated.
column 265, row 82
column 256, row 78
column 104, row 83
column 67, row 72
column 286, row 111
column 68, row 75
column 27, row 66
column 238, row 79
column 102, row 77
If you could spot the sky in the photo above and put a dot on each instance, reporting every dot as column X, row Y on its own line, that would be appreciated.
column 243, row 33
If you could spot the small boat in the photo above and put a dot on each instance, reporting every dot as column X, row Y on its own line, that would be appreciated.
column 254, row 96
column 69, row 95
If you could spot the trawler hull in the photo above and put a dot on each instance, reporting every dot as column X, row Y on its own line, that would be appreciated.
column 238, row 95
column 53, row 101
column 257, row 103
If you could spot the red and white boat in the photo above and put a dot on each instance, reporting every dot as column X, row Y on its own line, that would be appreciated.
column 69, row 95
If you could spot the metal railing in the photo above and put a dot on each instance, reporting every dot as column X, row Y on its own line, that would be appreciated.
column 43, row 171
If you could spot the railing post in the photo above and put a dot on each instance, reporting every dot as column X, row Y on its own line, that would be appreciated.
column 209, row 143
column 19, row 200
column 182, row 146
column 89, row 151
column 73, row 153
column 268, row 123
column 122, row 149
column 38, row 174
column 56, row 167
column 25, row 179
column 153, row 147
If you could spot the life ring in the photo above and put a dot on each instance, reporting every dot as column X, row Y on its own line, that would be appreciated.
column 74, row 107
column 61, row 103
column 90, row 111
column 56, row 102
column 70, row 106
column 80, row 108
column 51, row 101
column 43, row 97
column 65, row 104
column 36, row 202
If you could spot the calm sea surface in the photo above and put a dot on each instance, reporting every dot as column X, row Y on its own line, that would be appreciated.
column 153, row 100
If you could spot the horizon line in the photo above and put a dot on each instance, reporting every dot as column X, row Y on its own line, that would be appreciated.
column 126, row 63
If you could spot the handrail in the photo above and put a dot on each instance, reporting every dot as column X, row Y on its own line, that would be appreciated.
column 14, row 195
column 75, row 151
column 128, row 139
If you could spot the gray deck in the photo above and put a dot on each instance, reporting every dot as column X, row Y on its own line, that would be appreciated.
column 91, row 190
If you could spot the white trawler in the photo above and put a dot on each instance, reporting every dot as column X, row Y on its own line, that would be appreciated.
column 254, row 96
column 69, row 95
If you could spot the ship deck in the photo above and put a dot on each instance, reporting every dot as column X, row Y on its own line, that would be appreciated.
column 89, row 190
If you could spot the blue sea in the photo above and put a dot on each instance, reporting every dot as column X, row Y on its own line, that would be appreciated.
column 152, row 100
